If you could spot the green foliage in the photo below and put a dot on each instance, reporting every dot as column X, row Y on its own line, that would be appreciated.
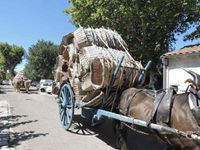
column 194, row 35
column 10, row 56
column 41, row 60
column 1, row 67
column 8, row 75
column 148, row 26
column 2, row 62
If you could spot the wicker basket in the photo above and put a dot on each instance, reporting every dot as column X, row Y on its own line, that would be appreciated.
column 100, row 37
column 87, row 59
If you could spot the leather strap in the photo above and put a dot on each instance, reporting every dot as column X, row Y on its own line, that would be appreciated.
column 156, row 103
column 164, row 109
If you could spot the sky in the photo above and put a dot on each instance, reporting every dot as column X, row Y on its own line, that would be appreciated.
column 24, row 22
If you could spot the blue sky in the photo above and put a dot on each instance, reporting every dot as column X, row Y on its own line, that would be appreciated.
column 24, row 22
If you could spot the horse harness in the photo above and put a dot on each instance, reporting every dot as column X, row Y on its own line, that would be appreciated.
column 162, row 106
column 161, row 110
column 194, row 102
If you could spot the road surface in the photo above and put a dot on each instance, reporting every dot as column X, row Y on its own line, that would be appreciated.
column 35, row 123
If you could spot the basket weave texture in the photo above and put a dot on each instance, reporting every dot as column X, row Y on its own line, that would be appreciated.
column 87, row 60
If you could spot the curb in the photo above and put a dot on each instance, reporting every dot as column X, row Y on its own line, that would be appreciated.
column 5, row 130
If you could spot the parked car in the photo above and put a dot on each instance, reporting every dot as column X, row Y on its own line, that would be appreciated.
column 49, row 89
column 5, row 82
column 44, row 84
column 35, row 83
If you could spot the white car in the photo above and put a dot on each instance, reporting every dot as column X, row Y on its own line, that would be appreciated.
column 44, row 84
column 5, row 82
column 49, row 89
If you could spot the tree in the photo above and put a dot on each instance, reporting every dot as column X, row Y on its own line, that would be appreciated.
column 41, row 60
column 1, row 66
column 148, row 26
column 194, row 35
column 10, row 56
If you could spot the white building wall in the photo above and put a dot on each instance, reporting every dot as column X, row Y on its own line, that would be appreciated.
column 174, row 74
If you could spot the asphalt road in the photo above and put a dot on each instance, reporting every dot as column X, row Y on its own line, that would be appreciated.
column 36, row 126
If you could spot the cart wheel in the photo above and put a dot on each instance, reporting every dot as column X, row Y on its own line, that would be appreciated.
column 66, row 105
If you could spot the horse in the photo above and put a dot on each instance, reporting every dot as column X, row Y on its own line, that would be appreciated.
column 138, row 104
column 17, row 84
column 22, row 84
column 27, row 85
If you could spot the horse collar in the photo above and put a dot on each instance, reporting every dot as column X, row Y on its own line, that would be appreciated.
column 194, row 101
column 195, row 96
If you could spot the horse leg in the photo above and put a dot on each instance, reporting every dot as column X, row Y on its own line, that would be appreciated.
column 121, row 131
column 116, row 129
column 123, row 138
column 26, row 88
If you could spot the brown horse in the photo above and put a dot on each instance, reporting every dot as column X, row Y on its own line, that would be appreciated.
column 138, row 104
column 22, row 84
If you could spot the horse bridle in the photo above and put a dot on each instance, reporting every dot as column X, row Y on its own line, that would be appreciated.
column 195, row 93
column 194, row 102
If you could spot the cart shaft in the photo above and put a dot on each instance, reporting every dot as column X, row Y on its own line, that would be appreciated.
column 100, row 114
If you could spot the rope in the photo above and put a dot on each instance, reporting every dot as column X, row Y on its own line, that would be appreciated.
column 108, row 48
column 132, row 128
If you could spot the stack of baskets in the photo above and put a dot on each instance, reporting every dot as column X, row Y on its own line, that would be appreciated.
column 20, row 76
column 87, row 60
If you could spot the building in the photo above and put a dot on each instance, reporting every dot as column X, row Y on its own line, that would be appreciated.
column 188, row 57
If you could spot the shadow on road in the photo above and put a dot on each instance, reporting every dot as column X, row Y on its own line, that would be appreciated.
column 18, row 137
column 31, row 91
column 2, row 92
column 105, row 132
column 102, row 131
column 8, row 88
column 4, row 89
column 81, row 126
column 140, row 141
column 12, row 117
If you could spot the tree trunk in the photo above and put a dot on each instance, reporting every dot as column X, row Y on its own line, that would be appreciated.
column 12, row 72
column 4, row 73
column 152, row 80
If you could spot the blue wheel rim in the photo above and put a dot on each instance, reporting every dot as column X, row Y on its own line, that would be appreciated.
column 66, row 106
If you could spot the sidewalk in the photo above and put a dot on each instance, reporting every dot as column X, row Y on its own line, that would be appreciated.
column 5, row 114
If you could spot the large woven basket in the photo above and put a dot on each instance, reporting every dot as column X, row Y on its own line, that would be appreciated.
column 87, row 60
column 100, row 37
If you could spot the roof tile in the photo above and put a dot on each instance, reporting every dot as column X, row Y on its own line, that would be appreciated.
column 185, row 50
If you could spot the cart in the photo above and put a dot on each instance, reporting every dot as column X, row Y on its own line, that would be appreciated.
column 67, row 102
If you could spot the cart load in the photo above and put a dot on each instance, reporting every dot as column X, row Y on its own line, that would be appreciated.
column 93, row 61
column 21, row 81
column 20, row 76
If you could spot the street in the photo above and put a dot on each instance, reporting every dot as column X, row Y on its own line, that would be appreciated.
column 35, row 124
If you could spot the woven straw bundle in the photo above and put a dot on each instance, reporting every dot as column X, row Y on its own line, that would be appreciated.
column 20, row 76
column 87, row 60
column 99, row 37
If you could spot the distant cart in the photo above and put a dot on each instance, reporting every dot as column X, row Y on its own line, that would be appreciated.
column 20, row 81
